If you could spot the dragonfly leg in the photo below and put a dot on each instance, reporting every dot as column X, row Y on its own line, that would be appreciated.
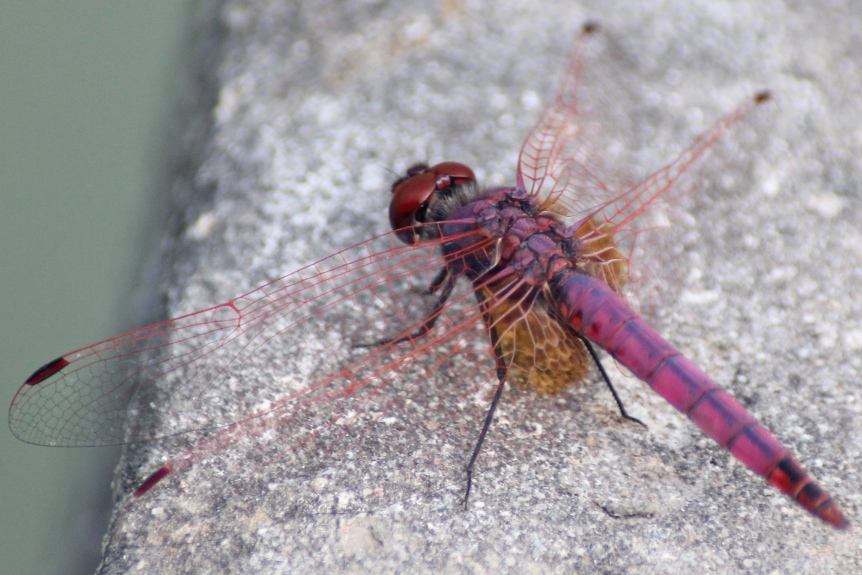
column 438, row 281
column 502, row 371
column 607, row 379
column 443, row 281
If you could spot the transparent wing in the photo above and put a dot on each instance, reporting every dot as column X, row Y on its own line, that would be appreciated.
column 362, row 295
column 394, row 394
column 554, row 162
column 622, row 210
column 558, row 164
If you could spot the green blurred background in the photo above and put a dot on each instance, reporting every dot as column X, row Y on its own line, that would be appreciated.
column 86, row 92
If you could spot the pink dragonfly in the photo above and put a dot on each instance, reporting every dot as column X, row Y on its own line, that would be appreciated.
column 542, row 267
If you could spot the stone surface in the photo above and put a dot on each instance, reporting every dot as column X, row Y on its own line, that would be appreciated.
column 316, row 104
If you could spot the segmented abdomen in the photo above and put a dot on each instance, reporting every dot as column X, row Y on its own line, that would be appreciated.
column 595, row 311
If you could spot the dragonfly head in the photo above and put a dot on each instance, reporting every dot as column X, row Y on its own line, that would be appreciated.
column 413, row 192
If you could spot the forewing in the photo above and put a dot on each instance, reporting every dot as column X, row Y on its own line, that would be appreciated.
column 321, row 326
column 622, row 210
column 556, row 162
column 562, row 167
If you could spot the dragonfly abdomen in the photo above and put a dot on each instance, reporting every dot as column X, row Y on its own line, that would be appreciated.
column 594, row 310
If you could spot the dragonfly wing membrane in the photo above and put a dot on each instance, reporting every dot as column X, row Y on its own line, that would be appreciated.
column 181, row 365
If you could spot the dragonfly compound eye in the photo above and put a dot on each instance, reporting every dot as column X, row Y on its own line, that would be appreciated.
column 411, row 194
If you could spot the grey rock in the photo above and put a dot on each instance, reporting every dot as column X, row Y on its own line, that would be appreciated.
column 317, row 104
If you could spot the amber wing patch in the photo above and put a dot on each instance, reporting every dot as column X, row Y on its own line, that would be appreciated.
column 539, row 351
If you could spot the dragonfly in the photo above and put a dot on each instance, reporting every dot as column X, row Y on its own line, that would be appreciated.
column 532, row 275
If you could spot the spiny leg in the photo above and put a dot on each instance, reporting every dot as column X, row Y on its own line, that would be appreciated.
column 607, row 379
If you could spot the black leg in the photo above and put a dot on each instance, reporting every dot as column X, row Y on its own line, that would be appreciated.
column 502, row 371
column 438, row 280
column 446, row 285
column 442, row 279
column 607, row 379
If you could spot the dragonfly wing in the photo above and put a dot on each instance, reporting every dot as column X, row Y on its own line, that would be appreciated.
column 555, row 159
column 559, row 166
column 622, row 210
column 359, row 295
